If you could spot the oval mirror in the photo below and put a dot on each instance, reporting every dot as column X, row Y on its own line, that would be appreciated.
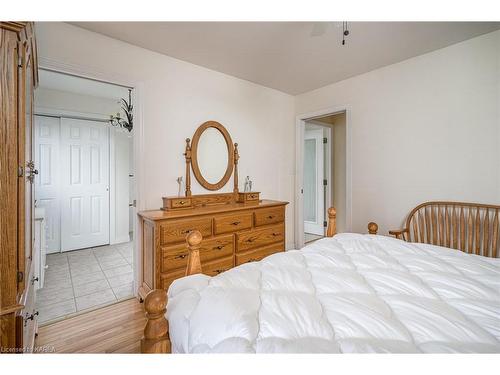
column 212, row 155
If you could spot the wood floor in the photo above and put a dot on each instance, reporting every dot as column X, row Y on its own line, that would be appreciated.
column 113, row 329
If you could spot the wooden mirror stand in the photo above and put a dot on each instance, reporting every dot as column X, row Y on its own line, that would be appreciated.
column 201, row 200
column 191, row 155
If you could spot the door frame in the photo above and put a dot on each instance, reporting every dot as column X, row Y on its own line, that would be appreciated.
column 299, row 165
column 88, row 72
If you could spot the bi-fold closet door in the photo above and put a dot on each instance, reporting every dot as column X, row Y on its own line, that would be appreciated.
column 73, row 155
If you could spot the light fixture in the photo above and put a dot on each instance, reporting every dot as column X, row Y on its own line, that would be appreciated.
column 127, row 107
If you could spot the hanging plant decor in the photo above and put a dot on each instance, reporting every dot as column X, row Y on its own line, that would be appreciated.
column 127, row 108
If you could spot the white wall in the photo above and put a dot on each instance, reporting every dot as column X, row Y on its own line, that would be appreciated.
column 177, row 97
column 423, row 129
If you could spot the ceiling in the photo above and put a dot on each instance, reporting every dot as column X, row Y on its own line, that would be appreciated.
column 83, row 86
column 293, row 57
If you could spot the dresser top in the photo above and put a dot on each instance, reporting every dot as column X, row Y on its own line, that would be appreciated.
column 207, row 210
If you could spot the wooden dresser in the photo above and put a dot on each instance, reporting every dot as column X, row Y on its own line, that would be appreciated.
column 233, row 233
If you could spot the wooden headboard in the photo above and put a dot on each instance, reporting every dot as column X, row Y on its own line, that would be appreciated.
column 469, row 227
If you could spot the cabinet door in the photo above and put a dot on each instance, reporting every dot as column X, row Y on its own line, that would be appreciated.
column 25, row 152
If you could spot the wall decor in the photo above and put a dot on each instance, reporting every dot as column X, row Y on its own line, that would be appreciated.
column 128, row 121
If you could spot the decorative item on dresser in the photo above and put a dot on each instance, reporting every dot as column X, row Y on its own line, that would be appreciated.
column 236, row 227
column 469, row 227
column 18, row 78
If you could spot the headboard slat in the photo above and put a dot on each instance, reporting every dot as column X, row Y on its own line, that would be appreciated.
column 470, row 231
column 428, row 238
column 455, row 228
column 415, row 230
column 421, row 227
column 461, row 230
column 447, row 226
column 441, row 226
column 434, row 226
column 494, row 240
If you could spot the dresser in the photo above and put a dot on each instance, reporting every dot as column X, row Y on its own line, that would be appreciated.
column 234, row 232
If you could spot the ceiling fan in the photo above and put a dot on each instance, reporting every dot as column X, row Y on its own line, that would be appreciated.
column 320, row 29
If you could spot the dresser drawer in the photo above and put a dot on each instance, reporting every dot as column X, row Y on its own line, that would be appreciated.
column 167, row 279
column 269, row 216
column 176, row 231
column 233, row 223
column 218, row 266
column 175, row 257
column 256, row 255
column 255, row 238
column 181, row 202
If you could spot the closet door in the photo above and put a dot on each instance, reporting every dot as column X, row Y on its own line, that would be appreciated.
column 84, row 151
column 47, row 187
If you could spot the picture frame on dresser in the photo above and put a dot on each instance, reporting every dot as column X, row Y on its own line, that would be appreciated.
column 236, row 227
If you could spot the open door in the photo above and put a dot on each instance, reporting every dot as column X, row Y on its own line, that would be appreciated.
column 313, row 182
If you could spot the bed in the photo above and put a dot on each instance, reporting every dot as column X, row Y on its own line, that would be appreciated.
column 348, row 293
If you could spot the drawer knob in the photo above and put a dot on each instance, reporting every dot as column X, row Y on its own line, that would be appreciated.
column 251, row 260
column 270, row 217
column 186, row 231
column 220, row 247
column 182, row 202
column 251, row 239
column 276, row 234
column 218, row 271
column 236, row 223
column 182, row 256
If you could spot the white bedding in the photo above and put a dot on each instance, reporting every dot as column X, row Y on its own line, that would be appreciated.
column 347, row 294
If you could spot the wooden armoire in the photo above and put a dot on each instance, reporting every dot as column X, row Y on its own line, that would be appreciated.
column 18, row 78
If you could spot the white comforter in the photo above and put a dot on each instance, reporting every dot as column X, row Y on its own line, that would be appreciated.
column 350, row 293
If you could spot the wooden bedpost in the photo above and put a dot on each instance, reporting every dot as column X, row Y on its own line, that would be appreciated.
column 332, row 222
column 372, row 228
column 193, row 242
column 156, row 339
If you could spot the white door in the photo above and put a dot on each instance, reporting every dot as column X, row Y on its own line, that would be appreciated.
column 84, row 151
column 47, row 187
column 313, row 182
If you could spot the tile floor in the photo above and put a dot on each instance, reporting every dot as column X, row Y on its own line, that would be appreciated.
column 309, row 237
column 85, row 279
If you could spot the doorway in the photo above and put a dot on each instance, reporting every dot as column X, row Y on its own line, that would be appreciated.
column 322, row 174
column 84, row 195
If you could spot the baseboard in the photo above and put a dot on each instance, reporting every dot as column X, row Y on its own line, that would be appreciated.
column 119, row 240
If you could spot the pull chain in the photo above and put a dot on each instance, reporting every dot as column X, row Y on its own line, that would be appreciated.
column 345, row 32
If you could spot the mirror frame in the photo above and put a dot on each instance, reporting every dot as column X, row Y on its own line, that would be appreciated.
column 194, row 155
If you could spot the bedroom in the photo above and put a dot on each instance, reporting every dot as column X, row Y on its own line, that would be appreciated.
column 421, row 103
